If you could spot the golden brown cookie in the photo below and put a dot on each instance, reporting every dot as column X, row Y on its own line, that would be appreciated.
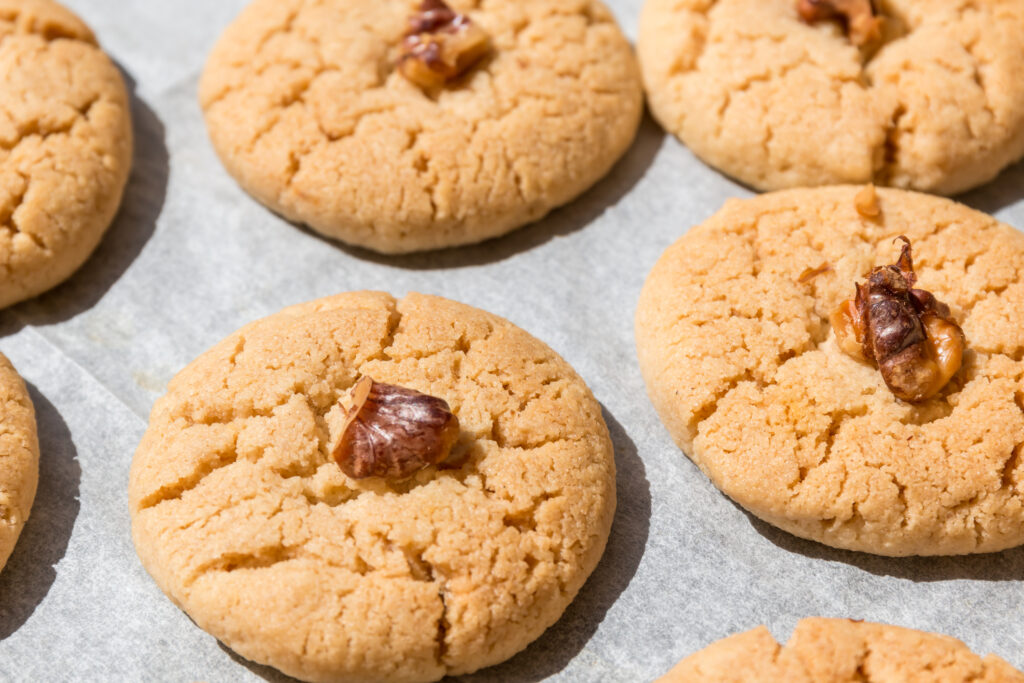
column 840, row 651
column 19, row 457
column 307, row 111
column 937, row 105
column 244, row 520
column 741, row 362
column 65, row 146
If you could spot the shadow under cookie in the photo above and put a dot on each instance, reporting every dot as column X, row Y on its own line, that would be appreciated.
column 560, row 644
column 564, row 221
column 127, row 236
column 31, row 569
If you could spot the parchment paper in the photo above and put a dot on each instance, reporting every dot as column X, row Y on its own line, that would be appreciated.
column 191, row 258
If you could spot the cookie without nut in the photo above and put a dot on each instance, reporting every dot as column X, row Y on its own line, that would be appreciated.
column 840, row 651
column 242, row 517
column 65, row 146
column 743, row 368
column 19, row 458
column 306, row 109
column 777, row 103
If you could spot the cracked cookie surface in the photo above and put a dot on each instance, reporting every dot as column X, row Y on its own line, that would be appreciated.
column 243, row 519
column 742, row 366
column 840, row 651
column 307, row 112
column 19, row 457
column 65, row 146
column 777, row 103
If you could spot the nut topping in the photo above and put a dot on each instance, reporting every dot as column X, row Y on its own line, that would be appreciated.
column 862, row 26
column 908, row 333
column 440, row 45
column 393, row 432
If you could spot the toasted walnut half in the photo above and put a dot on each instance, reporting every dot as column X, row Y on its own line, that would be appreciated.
column 440, row 45
column 393, row 432
column 907, row 332
column 862, row 25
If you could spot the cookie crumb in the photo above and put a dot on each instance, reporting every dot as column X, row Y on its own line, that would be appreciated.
column 866, row 202
column 812, row 273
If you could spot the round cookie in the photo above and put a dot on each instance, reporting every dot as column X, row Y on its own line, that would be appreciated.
column 307, row 112
column 19, row 457
column 743, row 367
column 242, row 518
column 777, row 103
column 840, row 651
column 65, row 146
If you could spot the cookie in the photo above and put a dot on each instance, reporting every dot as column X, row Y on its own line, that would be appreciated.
column 742, row 364
column 65, row 146
column 307, row 111
column 754, row 91
column 244, row 520
column 19, row 458
column 840, row 651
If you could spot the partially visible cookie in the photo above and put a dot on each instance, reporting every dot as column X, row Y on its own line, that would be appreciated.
column 243, row 518
column 19, row 457
column 65, row 146
column 741, row 362
column 840, row 651
column 308, row 112
column 937, row 105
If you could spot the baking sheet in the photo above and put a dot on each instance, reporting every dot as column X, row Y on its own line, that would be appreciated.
column 191, row 258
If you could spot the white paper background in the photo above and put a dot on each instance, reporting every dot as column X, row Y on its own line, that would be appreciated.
column 192, row 258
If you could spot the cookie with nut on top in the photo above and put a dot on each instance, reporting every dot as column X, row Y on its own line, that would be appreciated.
column 365, row 488
column 839, row 650
column 917, row 94
column 847, row 364
column 410, row 125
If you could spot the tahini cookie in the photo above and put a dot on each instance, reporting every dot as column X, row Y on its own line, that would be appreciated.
column 840, row 651
column 19, row 457
column 402, row 125
column 922, row 94
column 908, row 446
column 364, row 488
column 65, row 145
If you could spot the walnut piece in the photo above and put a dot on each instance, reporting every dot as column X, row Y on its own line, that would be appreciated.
column 440, row 45
column 393, row 432
column 862, row 26
column 909, row 334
